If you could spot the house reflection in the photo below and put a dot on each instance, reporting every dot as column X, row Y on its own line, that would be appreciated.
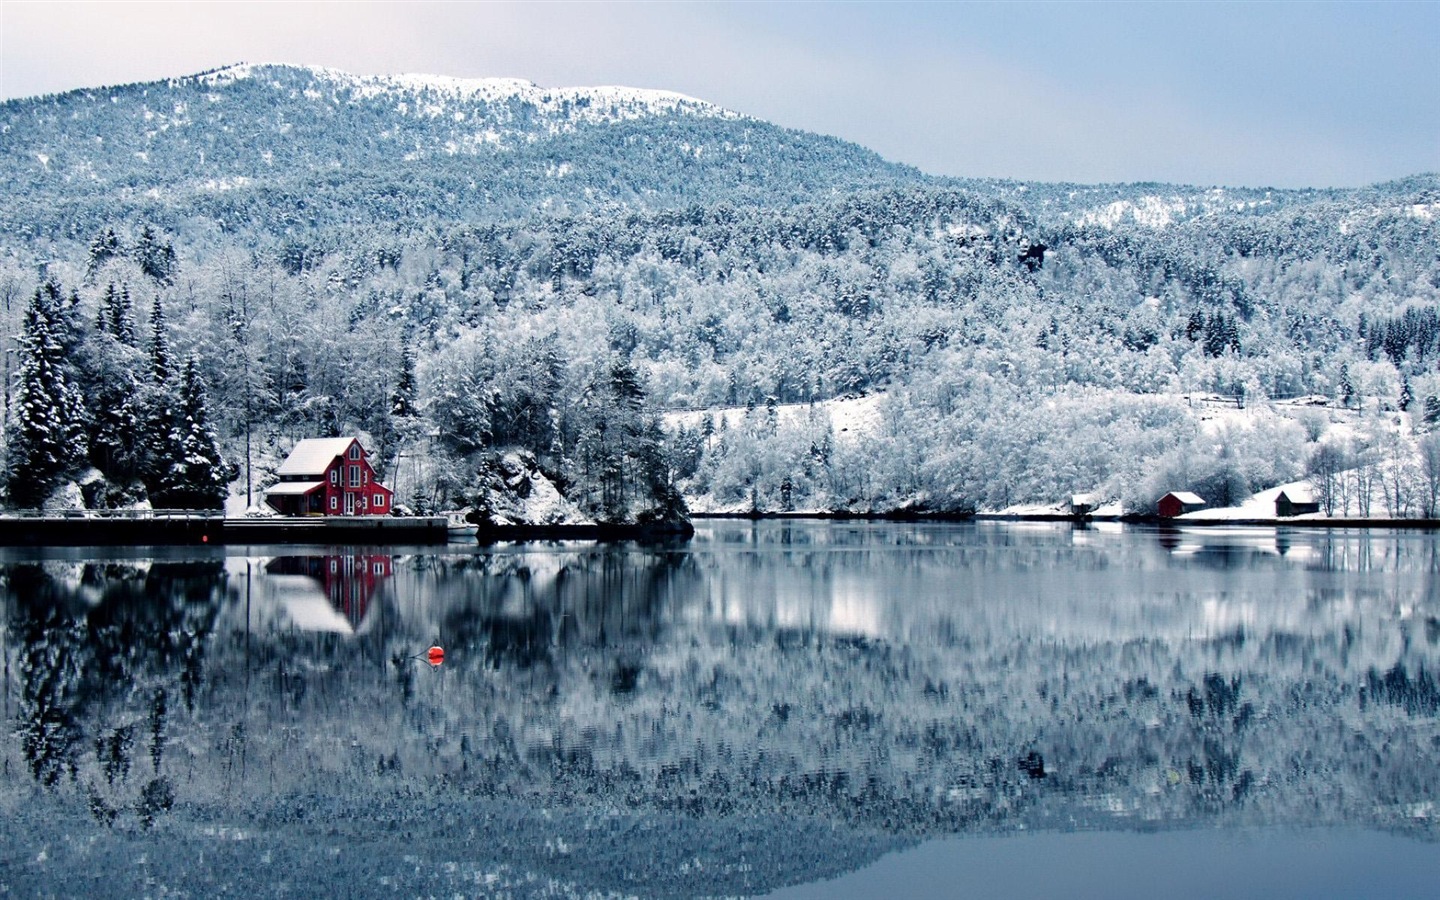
column 331, row 593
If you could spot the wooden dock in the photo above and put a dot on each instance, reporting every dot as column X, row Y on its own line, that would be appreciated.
column 109, row 528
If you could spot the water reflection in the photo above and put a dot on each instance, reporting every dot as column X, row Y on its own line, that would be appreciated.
column 328, row 593
column 668, row 720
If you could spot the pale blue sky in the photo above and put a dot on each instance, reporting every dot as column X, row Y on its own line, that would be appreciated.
column 1282, row 94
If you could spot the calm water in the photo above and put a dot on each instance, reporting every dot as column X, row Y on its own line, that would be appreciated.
column 814, row 709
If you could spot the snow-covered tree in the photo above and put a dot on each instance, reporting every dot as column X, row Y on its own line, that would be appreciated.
column 46, row 434
column 189, row 470
column 159, row 342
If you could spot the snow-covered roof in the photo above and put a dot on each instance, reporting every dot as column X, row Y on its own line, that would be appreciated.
column 1297, row 494
column 313, row 456
column 288, row 488
column 1187, row 498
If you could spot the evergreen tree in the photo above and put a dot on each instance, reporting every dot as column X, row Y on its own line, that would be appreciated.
column 105, row 315
column 1194, row 325
column 122, row 323
column 46, row 436
column 402, row 401
column 105, row 246
column 155, row 257
column 190, row 471
column 1221, row 334
column 159, row 343
column 116, row 435
column 1347, row 387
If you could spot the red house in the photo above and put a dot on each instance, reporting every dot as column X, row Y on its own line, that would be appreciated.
column 1178, row 503
column 328, row 477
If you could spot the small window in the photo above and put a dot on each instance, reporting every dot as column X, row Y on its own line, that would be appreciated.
column 379, row 568
column 335, row 476
column 354, row 476
column 334, row 504
column 354, row 451
column 379, row 499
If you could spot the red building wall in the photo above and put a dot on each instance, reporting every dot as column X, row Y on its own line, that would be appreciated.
column 355, row 479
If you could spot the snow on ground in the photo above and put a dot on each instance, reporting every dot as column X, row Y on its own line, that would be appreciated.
column 1260, row 506
column 521, row 494
column 850, row 417
column 1150, row 211
column 429, row 94
column 1108, row 509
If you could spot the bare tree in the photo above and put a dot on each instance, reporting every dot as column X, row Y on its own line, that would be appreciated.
column 1430, row 468
column 1398, row 478
column 1366, row 475
column 1326, row 469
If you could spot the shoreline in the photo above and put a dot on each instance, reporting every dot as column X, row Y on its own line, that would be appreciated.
column 176, row 528
column 899, row 515
column 1128, row 519
column 600, row 532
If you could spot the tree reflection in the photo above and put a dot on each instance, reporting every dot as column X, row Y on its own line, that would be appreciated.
column 914, row 682
column 100, row 646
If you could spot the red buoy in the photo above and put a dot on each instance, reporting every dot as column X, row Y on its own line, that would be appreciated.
column 435, row 656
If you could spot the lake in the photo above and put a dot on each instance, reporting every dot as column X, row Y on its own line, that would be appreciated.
column 802, row 708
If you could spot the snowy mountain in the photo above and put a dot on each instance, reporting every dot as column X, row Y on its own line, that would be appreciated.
column 277, row 148
column 545, row 260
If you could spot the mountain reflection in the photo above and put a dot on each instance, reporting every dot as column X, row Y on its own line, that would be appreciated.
column 878, row 683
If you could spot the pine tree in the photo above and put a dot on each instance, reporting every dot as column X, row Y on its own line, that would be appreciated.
column 47, row 430
column 190, row 471
column 105, row 315
column 1347, row 387
column 159, row 343
column 104, row 247
column 116, row 435
column 122, row 323
column 155, row 257
column 402, row 401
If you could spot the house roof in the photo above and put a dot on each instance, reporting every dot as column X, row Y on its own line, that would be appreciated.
column 313, row 456
column 1187, row 498
column 1296, row 495
column 288, row 488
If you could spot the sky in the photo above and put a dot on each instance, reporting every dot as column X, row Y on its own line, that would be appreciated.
column 1277, row 94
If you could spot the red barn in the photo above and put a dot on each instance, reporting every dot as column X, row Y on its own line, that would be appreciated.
column 1177, row 503
column 329, row 477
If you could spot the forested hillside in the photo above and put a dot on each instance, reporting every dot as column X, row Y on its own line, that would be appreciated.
column 461, row 269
